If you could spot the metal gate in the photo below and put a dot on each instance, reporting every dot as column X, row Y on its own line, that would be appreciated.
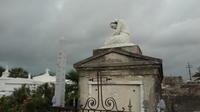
column 96, row 105
column 107, row 105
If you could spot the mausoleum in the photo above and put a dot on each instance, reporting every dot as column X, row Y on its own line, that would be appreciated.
column 118, row 75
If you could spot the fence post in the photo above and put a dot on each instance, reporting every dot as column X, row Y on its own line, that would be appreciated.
column 129, row 106
column 146, row 105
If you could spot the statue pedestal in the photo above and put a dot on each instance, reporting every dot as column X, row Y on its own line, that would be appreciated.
column 127, row 75
column 132, row 49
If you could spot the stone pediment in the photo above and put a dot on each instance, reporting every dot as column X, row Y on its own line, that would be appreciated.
column 114, row 58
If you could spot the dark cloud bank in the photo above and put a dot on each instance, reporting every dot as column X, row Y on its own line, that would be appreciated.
column 30, row 30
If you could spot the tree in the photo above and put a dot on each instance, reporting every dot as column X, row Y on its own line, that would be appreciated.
column 71, row 90
column 18, row 72
column 14, row 103
column 73, row 76
column 25, row 99
column 2, row 69
column 197, row 75
column 71, row 94
column 41, row 98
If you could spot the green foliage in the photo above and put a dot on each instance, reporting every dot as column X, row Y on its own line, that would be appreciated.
column 18, row 72
column 39, row 100
column 2, row 69
column 14, row 103
column 71, row 92
column 23, row 99
column 73, row 76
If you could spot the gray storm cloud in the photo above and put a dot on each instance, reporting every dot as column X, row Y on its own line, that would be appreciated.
column 30, row 30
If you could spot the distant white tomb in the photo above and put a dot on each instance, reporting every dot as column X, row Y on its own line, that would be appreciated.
column 46, row 77
column 6, row 73
column 9, row 84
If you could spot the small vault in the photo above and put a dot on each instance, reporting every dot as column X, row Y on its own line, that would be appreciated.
column 126, row 75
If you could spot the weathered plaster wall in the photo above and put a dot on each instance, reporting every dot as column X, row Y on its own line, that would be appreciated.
column 181, row 96
column 126, row 68
column 149, row 80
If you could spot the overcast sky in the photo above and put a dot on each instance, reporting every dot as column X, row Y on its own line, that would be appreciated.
column 30, row 30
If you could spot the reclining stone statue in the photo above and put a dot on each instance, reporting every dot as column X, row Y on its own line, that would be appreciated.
column 120, row 36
